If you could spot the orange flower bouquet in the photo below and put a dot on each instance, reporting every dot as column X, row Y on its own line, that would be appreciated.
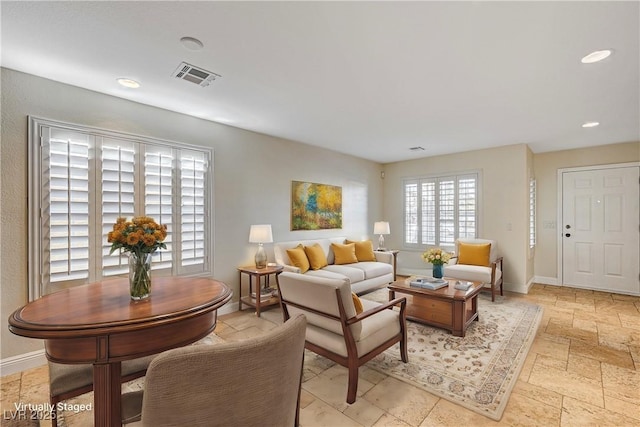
column 141, row 237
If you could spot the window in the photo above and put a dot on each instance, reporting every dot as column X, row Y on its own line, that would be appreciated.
column 532, row 214
column 439, row 210
column 82, row 179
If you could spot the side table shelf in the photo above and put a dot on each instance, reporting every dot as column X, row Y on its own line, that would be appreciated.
column 255, row 285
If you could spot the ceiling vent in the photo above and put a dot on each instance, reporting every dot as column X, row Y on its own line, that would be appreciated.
column 195, row 75
column 416, row 148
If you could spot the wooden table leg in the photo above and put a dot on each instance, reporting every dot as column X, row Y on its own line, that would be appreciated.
column 107, row 394
column 258, row 294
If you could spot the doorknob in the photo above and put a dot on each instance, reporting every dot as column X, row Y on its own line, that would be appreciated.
column 567, row 226
column 568, row 235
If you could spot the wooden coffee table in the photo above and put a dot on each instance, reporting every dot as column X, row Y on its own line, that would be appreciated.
column 446, row 307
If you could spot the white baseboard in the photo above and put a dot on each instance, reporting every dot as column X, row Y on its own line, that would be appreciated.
column 25, row 361
column 546, row 280
column 22, row 362
column 228, row 308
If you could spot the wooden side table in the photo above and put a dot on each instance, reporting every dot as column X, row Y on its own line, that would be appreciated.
column 255, row 276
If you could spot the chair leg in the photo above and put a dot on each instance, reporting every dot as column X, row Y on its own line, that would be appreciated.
column 403, row 349
column 493, row 292
column 353, row 383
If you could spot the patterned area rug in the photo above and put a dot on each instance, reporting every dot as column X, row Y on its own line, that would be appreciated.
column 477, row 371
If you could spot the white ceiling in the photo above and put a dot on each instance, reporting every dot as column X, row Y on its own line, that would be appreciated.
column 371, row 79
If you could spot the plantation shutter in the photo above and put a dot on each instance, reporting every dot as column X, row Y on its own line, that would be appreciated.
column 193, row 170
column 158, row 197
column 82, row 179
column 467, row 207
column 446, row 211
column 428, row 201
column 118, row 173
column 65, row 205
column 411, row 212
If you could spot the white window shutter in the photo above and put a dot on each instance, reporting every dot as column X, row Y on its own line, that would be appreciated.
column 467, row 190
column 193, row 176
column 158, row 197
column 118, row 180
column 65, row 210
column 411, row 212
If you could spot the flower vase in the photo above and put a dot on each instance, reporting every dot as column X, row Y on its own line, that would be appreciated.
column 437, row 271
column 139, row 275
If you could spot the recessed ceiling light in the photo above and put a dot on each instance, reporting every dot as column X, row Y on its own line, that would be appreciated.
column 191, row 43
column 590, row 124
column 128, row 83
column 596, row 56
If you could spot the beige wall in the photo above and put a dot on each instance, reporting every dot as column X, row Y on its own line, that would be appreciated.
column 504, row 203
column 253, row 175
column 546, row 166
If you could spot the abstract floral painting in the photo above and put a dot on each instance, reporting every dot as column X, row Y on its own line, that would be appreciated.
column 315, row 206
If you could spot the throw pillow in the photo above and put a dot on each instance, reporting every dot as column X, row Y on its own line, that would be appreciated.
column 344, row 254
column 317, row 258
column 474, row 253
column 364, row 250
column 357, row 303
column 298, row 258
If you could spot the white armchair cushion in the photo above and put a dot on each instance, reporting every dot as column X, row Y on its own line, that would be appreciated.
column 473, row 273
column 320, row 293
column 377, row 328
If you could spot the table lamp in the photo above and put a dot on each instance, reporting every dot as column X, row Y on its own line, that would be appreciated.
column 260, row 234
column 381, row 228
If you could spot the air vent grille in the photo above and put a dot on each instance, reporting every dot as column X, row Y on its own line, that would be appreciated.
column 194, row 74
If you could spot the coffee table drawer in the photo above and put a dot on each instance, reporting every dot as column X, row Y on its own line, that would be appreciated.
column 430, row 310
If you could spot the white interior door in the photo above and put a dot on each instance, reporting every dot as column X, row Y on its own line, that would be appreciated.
column 601, row 228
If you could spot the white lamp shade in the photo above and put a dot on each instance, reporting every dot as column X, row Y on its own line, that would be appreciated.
column 260, row 233
column 381, row 227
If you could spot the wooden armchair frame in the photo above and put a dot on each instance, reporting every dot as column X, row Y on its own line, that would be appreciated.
column 352, row 362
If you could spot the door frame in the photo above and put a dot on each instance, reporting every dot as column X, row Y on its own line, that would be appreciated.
column 560, row 200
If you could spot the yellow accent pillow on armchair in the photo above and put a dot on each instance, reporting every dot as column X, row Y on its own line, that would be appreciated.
column 474, row 254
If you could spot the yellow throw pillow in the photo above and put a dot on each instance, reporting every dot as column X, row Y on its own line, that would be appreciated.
column 298, row 258
column 357, row 303
column 344, row 254
column 474, row 253
column 317, row 258
column 364, row 250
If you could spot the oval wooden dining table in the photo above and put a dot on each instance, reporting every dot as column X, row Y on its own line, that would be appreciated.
column 98, row 323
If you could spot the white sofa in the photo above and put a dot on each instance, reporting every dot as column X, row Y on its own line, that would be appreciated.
column 363, row 276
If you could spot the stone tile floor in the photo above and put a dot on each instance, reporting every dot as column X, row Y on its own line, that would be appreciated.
column 583, row 370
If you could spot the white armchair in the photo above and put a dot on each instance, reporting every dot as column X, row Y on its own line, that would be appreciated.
column 334, row 328
column 475, row 262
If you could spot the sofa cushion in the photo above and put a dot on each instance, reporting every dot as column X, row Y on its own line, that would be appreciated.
column 317, row 257
column 373, row 269
column 354, row 274
column 364, row 250
column 298, row 257
column 344, row 254
column 474, row 254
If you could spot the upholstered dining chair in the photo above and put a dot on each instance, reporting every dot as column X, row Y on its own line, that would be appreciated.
column 477, row 260
column 253, row 382
column 335, row 329
column 67, row 381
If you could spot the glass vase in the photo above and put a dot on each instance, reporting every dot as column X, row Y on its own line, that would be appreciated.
column 438, row 271
column 139, row 275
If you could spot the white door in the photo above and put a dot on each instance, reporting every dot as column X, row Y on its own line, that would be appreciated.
column 600, row 229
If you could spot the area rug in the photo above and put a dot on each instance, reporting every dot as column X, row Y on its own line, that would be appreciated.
column 477, row 371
